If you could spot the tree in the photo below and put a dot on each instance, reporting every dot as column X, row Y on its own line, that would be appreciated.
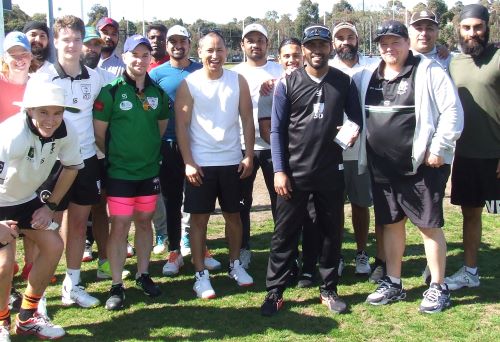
column 307, row 14
column 285, row 25
column 419, row 7
column 96, row 12
column 342, row 7
column 439, row 8
column 15, row 19
column 39, row 17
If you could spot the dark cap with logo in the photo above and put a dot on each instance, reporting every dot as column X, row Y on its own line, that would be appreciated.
column 423, row 15
column 391, row 28
column 105, row 21
column 317, row 32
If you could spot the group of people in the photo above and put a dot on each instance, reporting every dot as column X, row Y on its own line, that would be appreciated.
column 96, row 134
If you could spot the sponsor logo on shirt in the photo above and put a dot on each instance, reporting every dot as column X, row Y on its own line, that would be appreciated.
column 98, row 106
column 126, row 105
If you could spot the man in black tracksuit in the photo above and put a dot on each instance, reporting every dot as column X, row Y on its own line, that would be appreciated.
column 308, row 109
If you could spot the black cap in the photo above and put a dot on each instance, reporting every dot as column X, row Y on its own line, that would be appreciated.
column 475, row 11
column 391, row 28
column 36, row 25
column 315, row 32
column 423, row 15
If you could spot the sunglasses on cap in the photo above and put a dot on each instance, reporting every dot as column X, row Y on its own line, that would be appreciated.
column 392, row 29
column 317, row 32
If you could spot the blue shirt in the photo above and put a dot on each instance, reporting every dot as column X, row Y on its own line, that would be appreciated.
column 169, row 78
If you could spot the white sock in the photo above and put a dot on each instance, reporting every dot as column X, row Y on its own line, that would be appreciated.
column 72, row 277
column 471, row 270
column 395, row 280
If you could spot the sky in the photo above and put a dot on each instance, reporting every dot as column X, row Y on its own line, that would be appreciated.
column 218, row 11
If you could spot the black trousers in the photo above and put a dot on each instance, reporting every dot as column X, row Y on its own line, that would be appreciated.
column 262, row 159
column 290, row 215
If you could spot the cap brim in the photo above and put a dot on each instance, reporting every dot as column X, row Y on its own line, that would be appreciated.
column 315, row 38
column 422, row 19
column 68, row 108
column 86, row 40
column 388, row 34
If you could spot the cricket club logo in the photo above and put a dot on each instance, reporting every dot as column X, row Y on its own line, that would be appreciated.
column 153, row 102
column 403, row 87
column 86, row 91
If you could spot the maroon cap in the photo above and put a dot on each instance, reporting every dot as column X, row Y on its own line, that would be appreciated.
column 105, row 21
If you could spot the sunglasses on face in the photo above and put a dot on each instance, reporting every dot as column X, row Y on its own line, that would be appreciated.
column 317, row 32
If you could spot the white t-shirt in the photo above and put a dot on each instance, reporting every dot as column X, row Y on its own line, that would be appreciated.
column 255, row 76
column 26, row 162
column 80, row 92
column 215, row 126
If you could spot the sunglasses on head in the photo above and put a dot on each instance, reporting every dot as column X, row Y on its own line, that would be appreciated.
column 322, row 32
column 394, row 29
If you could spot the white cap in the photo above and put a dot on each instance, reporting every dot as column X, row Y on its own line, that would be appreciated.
column 254, row 28
column 344, row 25
column 40, row 94
column 178, row 30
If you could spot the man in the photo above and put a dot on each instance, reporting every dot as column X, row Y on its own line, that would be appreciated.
column 424, row 32
column 38, row 36
column 130, row 104
column 476, row 169
column 172, row 173
column 157, row 36
column 82, row 85
column 308, row 107
column 91, row 54
column 413, row 117
column 357, row 179
column 256, row 70
column 208, row 105
column 110, row 60
column 33, row 141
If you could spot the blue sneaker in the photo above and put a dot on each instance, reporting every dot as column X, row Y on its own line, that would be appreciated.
column 161, row 241
column 185, row 245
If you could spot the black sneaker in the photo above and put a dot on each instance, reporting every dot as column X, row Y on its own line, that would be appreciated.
column 306, row 280
column 116, row 297
column 15, row 300
column 147, row 285
column 272, row 303
column 386, row 292
column 436, row 299
column 332, row 301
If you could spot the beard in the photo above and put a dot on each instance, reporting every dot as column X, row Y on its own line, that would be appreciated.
column 347, row 52
column 40, row 53
column 158, row 54
column 108, row 49
column 91, row 60
column 474, row 46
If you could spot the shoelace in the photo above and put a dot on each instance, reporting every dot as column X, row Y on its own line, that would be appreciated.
column 432, row 295
column 332, row 295
column 383, row 285
column 172, row 257
column 363, row 259
column 43, row 320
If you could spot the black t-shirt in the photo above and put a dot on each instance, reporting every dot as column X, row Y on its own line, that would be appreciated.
column 390, row 122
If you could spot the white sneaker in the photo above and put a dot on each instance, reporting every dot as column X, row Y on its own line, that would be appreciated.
column 238, row 273
column 160, row 246
column 130, row 250
column 39, row 326
column 210, row 263
column 78, row 295
column 42, row 307
column 202, row 285
column 4, row 332
column 87, row 252
column 462, row 278
column 362, row 264
column 245, row 257
column 426, row 275
column 174, row 263
column 185, row 245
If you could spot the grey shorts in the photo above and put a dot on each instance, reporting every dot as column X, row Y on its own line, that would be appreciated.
column 358, row 188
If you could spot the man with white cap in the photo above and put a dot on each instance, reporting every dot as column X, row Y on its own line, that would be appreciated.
column 32, row 142
column 256, row 70
column 109, row 30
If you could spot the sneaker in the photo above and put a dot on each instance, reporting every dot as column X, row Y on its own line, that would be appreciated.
column 15, row 300
column 362, row 264
column 174, row 263
column 5, row 331
column 341, row 266
column 185, row 245
column 333, row 302
column 160, row 244
column 202, row 285
column 87, row 252
column 116, row 297
column 378, row 271
column 39, row 326
column 104, row 271
column 245, row 257
column 436, row 299
column 272, row 303
column 238, row 273
column 147, row 285
column 426, row 275
column 462, row 278
column 386, row 292
column 130, row 250
column 210, row 263
column 306, row 280
column 78, row 295
column 42, row 307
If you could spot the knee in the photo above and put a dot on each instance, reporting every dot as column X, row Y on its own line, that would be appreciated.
column 52, row 245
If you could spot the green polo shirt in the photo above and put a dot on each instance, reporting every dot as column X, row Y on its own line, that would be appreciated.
column 133, row 138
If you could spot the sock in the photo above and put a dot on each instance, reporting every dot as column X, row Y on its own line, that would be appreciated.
column 138, row 275
column 72, row 277
column 471, row 270
column 116, row 284
column 5, row 316
column 101, row 261
column 395, row 280
column 29, row 305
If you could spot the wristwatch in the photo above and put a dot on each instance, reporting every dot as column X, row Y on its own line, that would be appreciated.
column 51, row 205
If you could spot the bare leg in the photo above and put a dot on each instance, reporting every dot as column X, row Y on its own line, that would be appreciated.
column 100, row 226
column 143, row 240
column 117, row 246
column 76, row 233
column 394, row 243
column 198, row 239
column 7, row 257
column 234, row 233
column 435, row 251
column 379, row 237
column 472, row 230
column 360, row 223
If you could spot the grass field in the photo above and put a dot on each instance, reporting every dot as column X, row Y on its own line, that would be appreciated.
column 178, row 315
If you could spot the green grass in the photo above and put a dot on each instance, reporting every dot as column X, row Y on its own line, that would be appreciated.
column 234, row 315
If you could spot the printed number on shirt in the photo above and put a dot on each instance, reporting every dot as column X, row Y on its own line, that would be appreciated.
column 318, row 110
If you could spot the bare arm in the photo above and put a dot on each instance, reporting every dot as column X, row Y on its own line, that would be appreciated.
column 100, row 128
column 246, row 114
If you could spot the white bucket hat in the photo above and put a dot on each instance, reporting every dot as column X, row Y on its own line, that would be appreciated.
column 40, row 94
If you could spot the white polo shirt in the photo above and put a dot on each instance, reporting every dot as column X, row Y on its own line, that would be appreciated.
column 26, row 158
column 80, row 92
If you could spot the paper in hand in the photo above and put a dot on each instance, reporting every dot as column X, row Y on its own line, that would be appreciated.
column 345, row 134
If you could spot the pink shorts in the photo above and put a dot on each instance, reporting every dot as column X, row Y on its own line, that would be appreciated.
column 125, row 206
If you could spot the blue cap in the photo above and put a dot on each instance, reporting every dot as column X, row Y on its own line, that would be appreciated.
column 16, row 38
column 132, row 42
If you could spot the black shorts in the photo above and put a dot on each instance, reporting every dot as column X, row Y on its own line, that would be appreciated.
column 132, row 188
column 474, row 182
column 419, row 197
column 86, row 189
column 22, row 213
column 219, row 182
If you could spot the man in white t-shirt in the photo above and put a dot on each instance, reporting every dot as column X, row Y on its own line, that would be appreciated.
column 256, row 70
